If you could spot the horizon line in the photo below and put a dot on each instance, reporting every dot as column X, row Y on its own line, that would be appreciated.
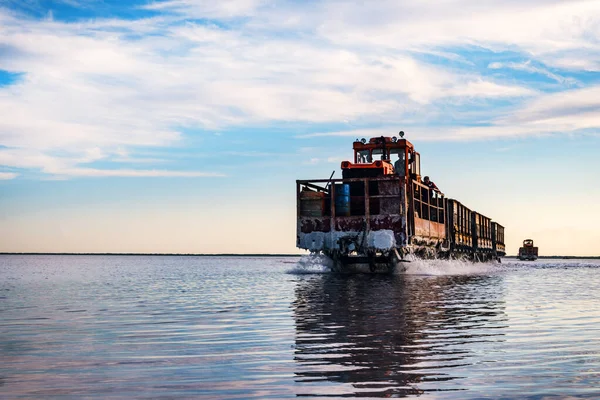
column 223, row 254
column 154, row 254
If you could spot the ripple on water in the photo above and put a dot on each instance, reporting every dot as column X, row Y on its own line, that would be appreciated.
column 219, row 327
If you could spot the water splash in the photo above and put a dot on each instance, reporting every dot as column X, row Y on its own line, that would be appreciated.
column 312, row 264
column 418, row 266
column 321, row 264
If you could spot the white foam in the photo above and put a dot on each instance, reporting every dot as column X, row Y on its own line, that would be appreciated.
column 315, row 241
column 381, row 240
column 450, row 267
column 312, row 264
column 312, row 241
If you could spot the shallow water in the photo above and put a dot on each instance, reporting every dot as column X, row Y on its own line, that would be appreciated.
column 279, row 327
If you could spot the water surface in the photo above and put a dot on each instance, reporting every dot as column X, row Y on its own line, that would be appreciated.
column 281, row 327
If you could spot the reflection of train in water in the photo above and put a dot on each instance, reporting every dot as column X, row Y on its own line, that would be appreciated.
column 377, row 214
column 392, row 336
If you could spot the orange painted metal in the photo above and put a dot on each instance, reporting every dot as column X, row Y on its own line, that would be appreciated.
column 429, row 229
column 387, row 167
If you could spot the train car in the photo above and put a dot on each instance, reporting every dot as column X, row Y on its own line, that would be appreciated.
column 498, row 239
column 460, row 230
column 380, row 211
column 473, row 236
column 482, row 237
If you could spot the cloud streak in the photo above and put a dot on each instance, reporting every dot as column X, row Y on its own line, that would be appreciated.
column 8, row 175
column 133, row 173
column 571, row 111
column 528, row 67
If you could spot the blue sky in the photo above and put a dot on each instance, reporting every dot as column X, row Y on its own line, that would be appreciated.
column 181, row 125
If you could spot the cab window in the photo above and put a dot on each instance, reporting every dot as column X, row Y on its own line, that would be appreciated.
column 363, row 156
column 394, row 154
column 379, row 154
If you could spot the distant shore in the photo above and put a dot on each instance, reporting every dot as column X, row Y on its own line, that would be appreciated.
column 155, row 254
column 562, row 257
column 234, row 255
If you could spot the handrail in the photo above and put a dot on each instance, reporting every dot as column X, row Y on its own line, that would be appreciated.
column 424, row 186
column 425, row 206
column 318, row 188
column 330, row 209
column 378, row 178
column 431, row 206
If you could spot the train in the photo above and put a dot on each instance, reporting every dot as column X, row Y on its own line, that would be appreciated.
column 528, row 252
column 380, row 214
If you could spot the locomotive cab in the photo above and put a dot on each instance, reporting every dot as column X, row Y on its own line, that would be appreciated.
column 378, row 156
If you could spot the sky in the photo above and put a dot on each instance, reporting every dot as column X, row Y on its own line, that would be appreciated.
column 180, row 126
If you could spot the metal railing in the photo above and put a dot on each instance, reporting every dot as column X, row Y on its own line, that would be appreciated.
column 367, row 195
column 428, row 203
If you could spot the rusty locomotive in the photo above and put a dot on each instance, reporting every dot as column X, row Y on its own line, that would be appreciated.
column 381, row 212
column 528, row 252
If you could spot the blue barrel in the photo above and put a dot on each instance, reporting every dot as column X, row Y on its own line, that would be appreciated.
column 342, row 199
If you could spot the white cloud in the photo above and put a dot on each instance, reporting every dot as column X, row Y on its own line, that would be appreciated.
column 439, row 133
column 542, row 28
column 8, row 175
column 481, row 88
column 65, row 166
column 96, row 90
column 208, row 8
column 93, row 172
column 568, row 111
column 526, row 66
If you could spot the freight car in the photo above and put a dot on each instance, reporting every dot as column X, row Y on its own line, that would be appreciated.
column 380, row 212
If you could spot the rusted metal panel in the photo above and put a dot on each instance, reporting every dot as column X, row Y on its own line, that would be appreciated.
column 349, row 180
column 437, row 230
column 332, row 202
column 367, row 203
column 389, row 206
column 425, row 229
column 421, row 227
column 463, row 240
column 389, row 187
column 389, row 197
column 393, row 222
column 308, row 225
column 311, row 204
column 383, row 204
column 482, row 232
column 297, row 200
column 498, row 238
column 349, row 224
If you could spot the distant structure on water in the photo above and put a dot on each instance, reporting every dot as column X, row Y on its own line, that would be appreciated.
column 381, row 211
column 528, row 252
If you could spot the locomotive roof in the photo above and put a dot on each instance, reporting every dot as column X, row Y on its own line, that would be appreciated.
column 375, row 142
